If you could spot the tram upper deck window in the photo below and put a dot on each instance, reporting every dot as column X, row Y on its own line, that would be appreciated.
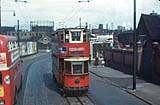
column 76, row 35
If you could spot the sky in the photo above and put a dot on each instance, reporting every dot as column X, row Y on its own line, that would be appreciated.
column 66, row 13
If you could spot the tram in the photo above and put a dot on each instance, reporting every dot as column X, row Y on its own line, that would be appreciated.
column 70, row 59
column 10, row 70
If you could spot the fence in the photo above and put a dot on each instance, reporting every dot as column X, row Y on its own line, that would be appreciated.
column 122, row 59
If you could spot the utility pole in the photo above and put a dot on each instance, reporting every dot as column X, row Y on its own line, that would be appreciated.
column 18, row 37
column 134, row 47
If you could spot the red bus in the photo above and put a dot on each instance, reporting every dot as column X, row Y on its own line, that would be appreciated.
column 10, row 70
column 70, row 59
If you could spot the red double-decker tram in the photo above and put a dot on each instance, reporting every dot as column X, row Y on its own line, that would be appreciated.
column 70, row 58
column 10, row 70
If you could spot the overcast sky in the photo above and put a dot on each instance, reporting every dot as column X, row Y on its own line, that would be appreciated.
column 68, row 12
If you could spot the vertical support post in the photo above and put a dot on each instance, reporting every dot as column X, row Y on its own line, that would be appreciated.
column 135, row 49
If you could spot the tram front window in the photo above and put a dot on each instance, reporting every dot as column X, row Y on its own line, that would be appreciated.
column 77, row 67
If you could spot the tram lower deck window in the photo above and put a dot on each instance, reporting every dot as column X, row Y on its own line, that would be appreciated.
column 86, row 67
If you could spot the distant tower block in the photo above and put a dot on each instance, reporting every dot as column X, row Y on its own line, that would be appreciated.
column 100, row 26
column 112, row 26
column 107, row 26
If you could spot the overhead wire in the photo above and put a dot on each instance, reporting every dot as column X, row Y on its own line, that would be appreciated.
column 75, row 12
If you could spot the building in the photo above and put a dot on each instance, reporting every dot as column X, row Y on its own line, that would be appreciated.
column 27, row 35
column 6, row 29
column 97, row 42
column 148, row 33
column 126, row 39
column 42, row 26
column 100, row 30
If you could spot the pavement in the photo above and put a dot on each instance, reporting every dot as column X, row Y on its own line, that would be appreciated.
column 148, row 92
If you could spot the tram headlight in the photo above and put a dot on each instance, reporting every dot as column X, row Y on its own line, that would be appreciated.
column 7, row 79
column 77, row 81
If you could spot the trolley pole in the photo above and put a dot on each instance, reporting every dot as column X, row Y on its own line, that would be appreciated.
column 134, row 48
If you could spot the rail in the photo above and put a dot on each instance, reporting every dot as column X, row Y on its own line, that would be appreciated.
column 81, row 100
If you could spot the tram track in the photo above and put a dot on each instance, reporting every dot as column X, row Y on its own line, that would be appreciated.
column 81, row 100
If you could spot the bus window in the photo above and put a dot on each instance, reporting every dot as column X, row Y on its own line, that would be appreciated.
column 77, row 67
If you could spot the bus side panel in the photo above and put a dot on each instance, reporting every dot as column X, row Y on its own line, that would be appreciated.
column 16, row 74
column 7, row 89
column 19, row 78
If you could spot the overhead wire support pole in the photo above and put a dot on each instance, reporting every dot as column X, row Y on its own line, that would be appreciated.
column 134, row 48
